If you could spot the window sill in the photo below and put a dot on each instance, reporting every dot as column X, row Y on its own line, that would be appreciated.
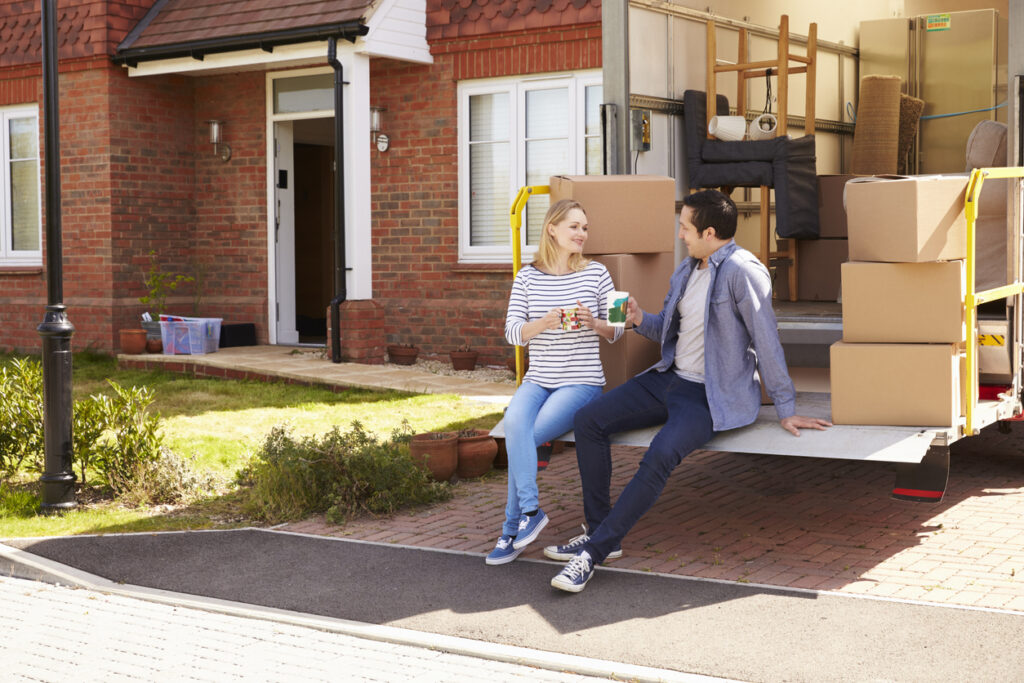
column 21, row 270
column 482, row 268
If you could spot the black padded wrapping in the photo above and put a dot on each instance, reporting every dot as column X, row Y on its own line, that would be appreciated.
column 788, row 165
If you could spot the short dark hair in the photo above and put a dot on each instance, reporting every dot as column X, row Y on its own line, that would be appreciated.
column 713, row 209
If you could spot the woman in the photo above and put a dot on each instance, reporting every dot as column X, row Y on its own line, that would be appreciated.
column 565, row 369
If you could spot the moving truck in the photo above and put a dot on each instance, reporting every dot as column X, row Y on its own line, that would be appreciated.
column 902, row 320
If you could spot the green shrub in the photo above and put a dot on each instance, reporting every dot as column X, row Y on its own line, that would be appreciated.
column 340, row 473
column 111, row 434
column 21, row 416
column 169, row 479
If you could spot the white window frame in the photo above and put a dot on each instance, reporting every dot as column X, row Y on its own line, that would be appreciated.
column 517, row 87
column 9, row 257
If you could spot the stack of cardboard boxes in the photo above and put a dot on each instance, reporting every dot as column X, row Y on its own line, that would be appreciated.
column 632, row 232
column 901, row 358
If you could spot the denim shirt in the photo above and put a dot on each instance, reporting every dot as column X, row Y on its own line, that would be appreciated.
column 740, row 333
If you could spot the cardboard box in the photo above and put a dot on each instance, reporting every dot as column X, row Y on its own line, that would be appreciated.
column 628, row 214
column 818, row 270
column 904, row 302
column 831, row 210
column 907, row 219
column 645, row 277
column 895, row 384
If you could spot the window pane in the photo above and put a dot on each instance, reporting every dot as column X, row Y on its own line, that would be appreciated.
column 24, row 138
column 304, row 93
column 594, row 156
column 25, row 206
column 593, row 117
column 489, row 201
column 544, row 158
column 488, row 117
column 547, row 113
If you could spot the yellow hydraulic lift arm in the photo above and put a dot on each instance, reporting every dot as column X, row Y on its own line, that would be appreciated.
column 973, row 299
column 516, row 221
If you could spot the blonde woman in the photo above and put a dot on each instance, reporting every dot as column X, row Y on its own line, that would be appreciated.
column 565, row 368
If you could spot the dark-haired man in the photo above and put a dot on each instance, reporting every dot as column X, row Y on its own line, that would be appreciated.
column 716, row 327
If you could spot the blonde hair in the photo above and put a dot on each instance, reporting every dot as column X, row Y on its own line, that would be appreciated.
column 547, row 251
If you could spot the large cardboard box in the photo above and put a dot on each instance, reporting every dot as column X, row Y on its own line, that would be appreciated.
column 628, row 214
column 645, row 277
column 818, row 270
column 895, row 384
column 831, row 211
column 907, row 219
column 904, row 302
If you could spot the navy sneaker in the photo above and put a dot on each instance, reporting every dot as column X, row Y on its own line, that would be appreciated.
column 564, row 553
column 574, row 576
column 503, row 552
column 529, row 527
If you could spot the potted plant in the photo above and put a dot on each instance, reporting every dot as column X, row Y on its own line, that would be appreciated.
column 159, row 285
column 463, row 358
column 476, row 450
column 436, row 452
column 402, row 354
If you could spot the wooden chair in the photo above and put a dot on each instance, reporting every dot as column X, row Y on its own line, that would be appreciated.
column 782, row 66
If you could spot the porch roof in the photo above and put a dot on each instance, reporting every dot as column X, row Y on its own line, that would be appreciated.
column 192, row 28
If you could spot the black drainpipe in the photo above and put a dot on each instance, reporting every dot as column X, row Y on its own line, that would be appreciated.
column 340, row 290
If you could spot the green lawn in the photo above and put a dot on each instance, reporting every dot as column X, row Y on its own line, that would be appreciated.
column 220, row 422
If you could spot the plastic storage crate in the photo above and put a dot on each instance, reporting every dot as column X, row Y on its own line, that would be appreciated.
column 193, row 336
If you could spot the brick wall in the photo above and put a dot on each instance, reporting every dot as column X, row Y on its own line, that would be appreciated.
column 429, row 299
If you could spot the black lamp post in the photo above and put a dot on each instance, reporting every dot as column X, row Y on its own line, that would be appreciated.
column 58, row 477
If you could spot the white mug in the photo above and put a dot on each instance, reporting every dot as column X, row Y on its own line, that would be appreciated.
column 617, row 305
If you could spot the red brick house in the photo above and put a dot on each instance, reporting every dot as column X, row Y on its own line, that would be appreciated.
column 476, row 98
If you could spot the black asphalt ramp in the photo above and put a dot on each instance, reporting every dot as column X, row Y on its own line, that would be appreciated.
column 731, row 630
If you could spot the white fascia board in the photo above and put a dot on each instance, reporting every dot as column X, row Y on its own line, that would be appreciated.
column 397, row 29
column 233, row 62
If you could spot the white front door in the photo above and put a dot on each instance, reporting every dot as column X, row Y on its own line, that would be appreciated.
column 284, row 243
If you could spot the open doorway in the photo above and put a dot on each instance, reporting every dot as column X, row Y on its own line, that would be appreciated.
column 305, row 239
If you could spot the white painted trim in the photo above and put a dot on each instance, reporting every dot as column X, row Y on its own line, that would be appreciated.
column 398, row 29
column 356, row 117
column 9, row 257
column 234, row 62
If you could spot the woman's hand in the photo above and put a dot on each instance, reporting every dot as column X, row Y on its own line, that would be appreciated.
column 596, row 324
column 552, row 320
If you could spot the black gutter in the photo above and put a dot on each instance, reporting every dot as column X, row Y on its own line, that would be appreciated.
column 349, row 30
column 340, row 290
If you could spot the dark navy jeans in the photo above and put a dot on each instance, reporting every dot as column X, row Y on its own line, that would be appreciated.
column 646, row 400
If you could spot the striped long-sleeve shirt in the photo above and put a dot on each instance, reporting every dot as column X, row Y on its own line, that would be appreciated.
column 560, row 357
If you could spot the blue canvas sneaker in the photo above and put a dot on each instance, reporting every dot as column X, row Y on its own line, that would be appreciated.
column 564, row 553
column 529, row 527
column 503, row 552
column 574, row 576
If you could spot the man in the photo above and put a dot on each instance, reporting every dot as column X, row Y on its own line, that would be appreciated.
column 716, row 326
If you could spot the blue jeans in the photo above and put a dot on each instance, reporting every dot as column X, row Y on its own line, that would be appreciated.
column 535, row 415
column 646, row 400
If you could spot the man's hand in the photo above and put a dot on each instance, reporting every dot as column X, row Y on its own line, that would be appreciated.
column 795, row 423
column 634, row 314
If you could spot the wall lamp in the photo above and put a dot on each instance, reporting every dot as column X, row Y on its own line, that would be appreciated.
column 220, row 148
column 380, row 139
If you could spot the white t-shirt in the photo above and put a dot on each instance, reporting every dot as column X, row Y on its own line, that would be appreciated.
column 689, row 363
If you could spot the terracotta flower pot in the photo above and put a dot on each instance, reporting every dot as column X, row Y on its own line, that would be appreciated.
column 463, row 360
column 402, row 355
column 154, row 345
column 501, row 458
column 133, row 341
column 436, row 452
column 476, row 454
